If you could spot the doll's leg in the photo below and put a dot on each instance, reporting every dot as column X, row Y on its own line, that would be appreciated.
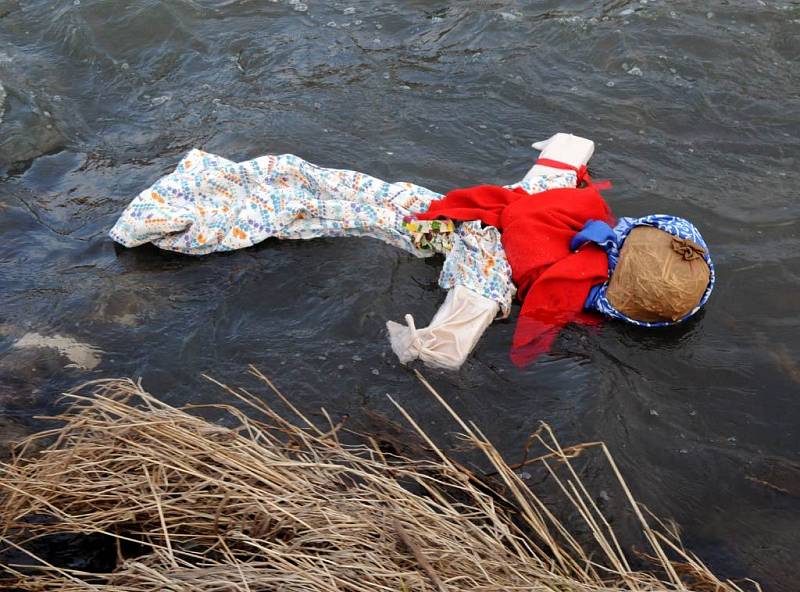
column 211, row 204
column 477, row 276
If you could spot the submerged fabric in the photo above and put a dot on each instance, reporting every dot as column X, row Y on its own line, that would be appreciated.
column 552, row 281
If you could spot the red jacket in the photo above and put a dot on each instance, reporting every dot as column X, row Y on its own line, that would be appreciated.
column 552, row 281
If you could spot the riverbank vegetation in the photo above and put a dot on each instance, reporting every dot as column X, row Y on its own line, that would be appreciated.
column 244, row 497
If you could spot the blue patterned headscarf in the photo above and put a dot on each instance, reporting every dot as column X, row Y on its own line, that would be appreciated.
column 612, row 239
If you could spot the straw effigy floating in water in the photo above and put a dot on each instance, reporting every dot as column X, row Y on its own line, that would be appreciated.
column 280, row 504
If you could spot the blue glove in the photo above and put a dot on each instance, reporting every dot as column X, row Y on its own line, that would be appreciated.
column 594, row 231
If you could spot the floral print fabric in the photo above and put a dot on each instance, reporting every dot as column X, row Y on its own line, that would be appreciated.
column 434, row 235
column 211, row 204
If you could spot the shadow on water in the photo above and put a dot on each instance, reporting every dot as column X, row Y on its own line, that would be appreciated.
column 694, row 110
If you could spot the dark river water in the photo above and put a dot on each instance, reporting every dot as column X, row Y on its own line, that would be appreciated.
column 695, row 109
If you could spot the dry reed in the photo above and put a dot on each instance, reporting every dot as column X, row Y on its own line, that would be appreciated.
column 279, row 504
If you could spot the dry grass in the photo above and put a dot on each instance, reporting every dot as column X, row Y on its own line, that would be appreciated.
column 274, row 504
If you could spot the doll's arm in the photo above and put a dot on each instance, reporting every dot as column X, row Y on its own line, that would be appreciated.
column 452, row 333
column 564, row 148
column 477, row 276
